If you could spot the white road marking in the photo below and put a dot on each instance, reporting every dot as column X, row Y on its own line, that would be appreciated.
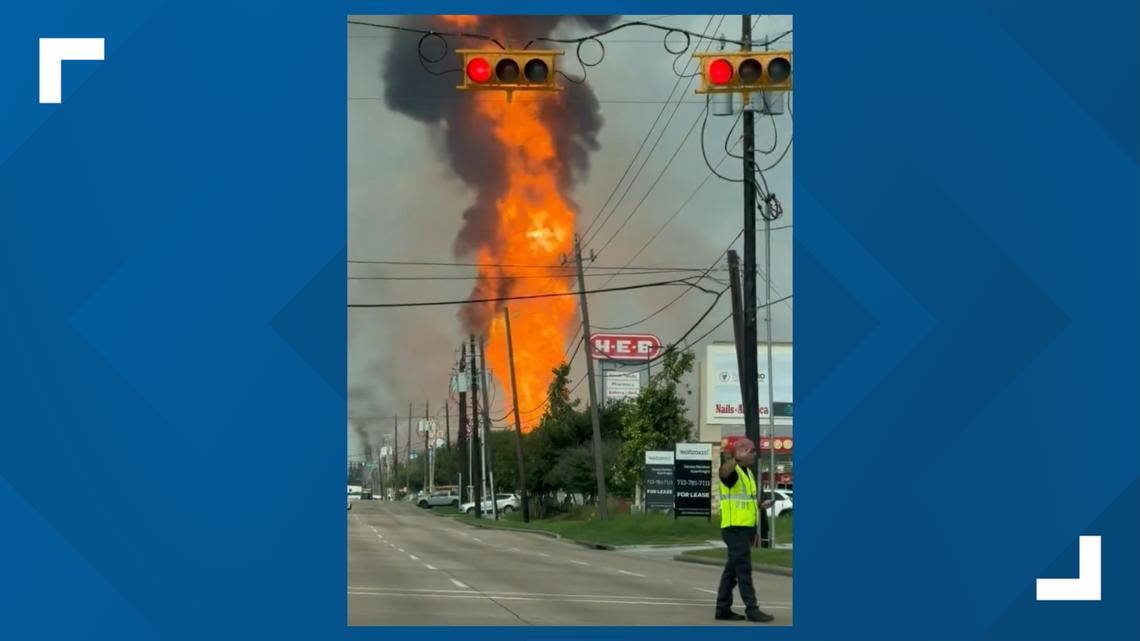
column 706, row 590
column 578, row 562
column 400, row 549
column 515, row 550
column 430, row 567
column 475, row 539
column 414, row 557
column 631, row 573
column 369, row 589
column 373, row 529
column 459, row 584
column 673, row 603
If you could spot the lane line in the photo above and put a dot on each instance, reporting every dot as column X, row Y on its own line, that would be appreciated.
column 416, row 591
column 400, row 549
column 578, row 562
column 706, row 590
column 459, row 584
column 703, row 604
column 414, row 557
column 430, row 567
column 631, row 573
column 475, row 539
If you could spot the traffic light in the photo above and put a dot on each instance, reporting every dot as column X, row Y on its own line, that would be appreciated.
column 744, row 71
column 508, row 70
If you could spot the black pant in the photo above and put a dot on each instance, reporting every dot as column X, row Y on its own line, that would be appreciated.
column 738, row 568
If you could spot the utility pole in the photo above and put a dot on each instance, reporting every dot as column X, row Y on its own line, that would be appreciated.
column 427, row 452
column 599, row 470
column 488, row 461
column 447, row 424
column 518, row 419
column 461, row 387
column 752, row 399
column 737, row 321
column 477, row 479
column 396, row 454
column 408, row 454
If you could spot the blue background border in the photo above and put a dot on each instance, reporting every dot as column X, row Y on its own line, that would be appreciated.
column 173, row 318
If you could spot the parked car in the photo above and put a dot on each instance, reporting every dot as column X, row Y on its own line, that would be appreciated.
column 782, row 504
column 349, row 501
column 507, row 503
column 439, row 498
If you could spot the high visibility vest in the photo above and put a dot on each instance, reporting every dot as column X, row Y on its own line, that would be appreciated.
column 738, row 503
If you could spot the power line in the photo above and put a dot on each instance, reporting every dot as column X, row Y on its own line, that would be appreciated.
column 525, row 277
column 649, row 191
column 516, row 265
column 523, row 297
column 679, row 296
column 633, row 160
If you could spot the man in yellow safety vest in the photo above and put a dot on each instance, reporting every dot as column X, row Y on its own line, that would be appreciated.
column 738, row 518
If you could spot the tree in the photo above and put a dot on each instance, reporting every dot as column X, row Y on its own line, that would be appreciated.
column 655, row 418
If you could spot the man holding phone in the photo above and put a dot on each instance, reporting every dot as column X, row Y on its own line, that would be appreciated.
column 739, row 513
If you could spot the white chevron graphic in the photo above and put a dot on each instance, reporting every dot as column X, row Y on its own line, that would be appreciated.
column 1086, row 587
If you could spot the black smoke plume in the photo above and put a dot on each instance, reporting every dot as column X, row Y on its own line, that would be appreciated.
column 468, row 145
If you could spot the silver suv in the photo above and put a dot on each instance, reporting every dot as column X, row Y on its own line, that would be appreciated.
column 438, row 499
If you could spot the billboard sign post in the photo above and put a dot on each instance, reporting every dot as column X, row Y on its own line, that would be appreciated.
column 659, row 487
column 692, row 472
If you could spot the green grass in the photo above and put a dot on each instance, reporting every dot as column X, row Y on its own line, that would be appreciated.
column 625, row 529
column 445, row 510
column 761, row 556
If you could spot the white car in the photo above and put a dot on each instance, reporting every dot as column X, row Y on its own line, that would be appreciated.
column 507, row 503
column 782, row 504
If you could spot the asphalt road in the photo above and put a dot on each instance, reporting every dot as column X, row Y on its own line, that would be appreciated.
column 409, row 567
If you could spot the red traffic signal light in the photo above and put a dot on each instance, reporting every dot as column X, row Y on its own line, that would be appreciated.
column 720, row 71
column 479, row 70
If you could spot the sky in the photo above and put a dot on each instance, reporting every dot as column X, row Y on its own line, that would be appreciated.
column 406, row 203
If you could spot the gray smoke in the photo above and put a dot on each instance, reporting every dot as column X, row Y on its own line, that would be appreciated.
column 467, row 144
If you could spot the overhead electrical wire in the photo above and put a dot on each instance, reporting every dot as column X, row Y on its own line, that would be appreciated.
column 569, row 268
column 666, row 283
column 636, row 154
column 679, row 296
column 520, row 277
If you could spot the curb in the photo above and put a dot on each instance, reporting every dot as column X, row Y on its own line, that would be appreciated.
column 553, row 535
column 764, row 569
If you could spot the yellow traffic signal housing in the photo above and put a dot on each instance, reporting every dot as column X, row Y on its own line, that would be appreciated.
column 509, row 70
column 744, row 71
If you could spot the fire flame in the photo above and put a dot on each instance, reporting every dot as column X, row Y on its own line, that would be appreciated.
column 536, row 227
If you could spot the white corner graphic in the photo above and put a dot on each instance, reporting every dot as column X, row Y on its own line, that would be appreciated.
column 1086, row 587
column 53, row 51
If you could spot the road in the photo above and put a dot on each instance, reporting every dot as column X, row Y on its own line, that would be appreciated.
column 407, row 566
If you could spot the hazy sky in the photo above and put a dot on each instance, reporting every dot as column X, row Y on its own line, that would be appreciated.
column 404, row 203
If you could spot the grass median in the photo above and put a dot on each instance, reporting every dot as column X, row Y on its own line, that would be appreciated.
column 620, row 529
column 760, row 556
